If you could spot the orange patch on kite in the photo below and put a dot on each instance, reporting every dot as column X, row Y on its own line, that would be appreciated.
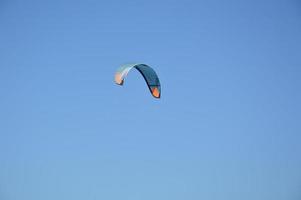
column 118, row 79
column 156, row 92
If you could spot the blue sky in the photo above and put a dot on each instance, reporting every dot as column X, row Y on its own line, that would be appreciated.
column 227, row 126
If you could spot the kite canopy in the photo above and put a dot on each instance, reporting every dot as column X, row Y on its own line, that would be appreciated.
column 148, row 74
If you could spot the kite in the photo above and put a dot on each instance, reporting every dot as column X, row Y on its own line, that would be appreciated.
column 149, row 75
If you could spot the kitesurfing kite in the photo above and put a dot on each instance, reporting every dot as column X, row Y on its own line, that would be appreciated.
column 148, row 74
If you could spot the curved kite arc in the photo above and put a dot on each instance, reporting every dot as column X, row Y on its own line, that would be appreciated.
column 149, row 75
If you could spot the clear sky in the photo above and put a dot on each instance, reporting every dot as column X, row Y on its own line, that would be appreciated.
column 228, row 125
